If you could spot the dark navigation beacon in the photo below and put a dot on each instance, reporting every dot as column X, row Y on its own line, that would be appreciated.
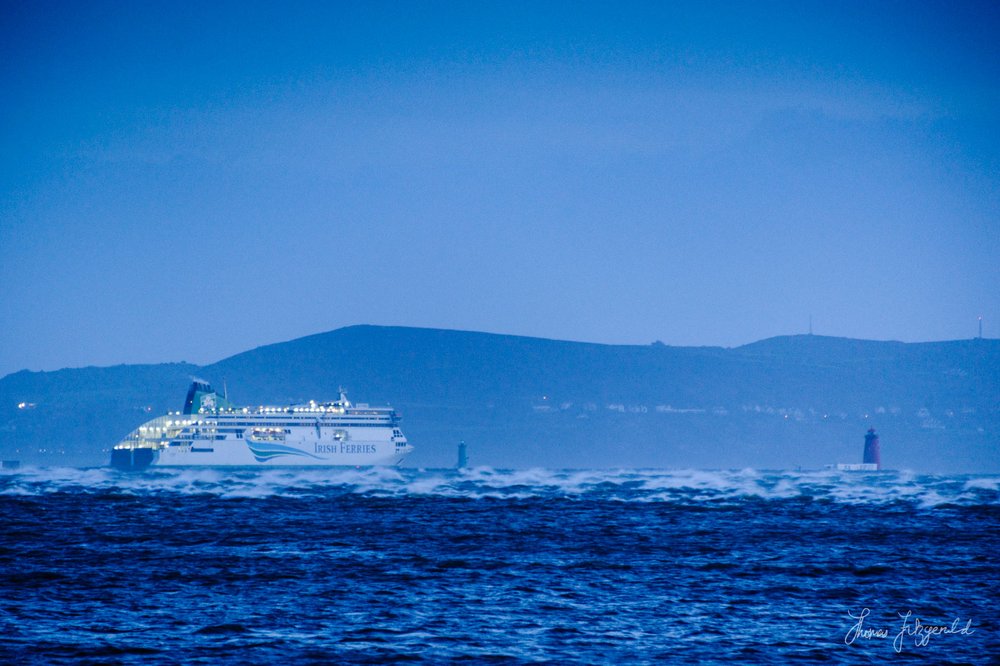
column 873, row 455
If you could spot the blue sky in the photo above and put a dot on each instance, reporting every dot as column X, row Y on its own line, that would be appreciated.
column 180, row 182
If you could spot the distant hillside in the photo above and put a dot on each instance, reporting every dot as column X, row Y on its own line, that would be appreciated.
column 778, row 403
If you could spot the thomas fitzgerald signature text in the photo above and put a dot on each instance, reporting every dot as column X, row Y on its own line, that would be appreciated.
column 911, row 628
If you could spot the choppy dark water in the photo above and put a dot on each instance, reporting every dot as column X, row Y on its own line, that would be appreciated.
column 487, row 566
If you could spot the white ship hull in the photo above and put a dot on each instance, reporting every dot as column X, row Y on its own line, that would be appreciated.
column 303, row 452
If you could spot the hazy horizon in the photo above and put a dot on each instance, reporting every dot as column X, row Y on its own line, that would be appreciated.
column 307, row 335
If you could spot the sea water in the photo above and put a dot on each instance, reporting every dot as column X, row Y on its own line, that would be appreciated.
column 498, row 566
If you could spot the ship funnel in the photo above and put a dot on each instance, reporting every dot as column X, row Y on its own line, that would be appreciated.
column 201, row 397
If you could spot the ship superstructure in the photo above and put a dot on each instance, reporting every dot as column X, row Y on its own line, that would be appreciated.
column 210, row 431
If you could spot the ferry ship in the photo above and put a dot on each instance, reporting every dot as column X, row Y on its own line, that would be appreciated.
column 210, row 431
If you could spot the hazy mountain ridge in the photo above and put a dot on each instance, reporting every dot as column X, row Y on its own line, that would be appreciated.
column 518, row 401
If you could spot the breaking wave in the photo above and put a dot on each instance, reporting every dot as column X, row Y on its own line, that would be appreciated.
column 705, row 487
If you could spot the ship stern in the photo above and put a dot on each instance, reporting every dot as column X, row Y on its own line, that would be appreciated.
column 133, row 459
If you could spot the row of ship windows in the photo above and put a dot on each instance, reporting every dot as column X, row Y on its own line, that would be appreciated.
column 306, row 418
column 306, row 424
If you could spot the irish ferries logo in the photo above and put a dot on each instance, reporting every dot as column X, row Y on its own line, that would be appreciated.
column 208, row 401
column 268, row 451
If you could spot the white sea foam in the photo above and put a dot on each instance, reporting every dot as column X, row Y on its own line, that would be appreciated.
column 983, row 483
column 629, row 485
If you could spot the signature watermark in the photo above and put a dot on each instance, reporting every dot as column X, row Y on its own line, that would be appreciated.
column 910, row 629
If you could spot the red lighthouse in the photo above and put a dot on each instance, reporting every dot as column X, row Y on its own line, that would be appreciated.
column 872, row 453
